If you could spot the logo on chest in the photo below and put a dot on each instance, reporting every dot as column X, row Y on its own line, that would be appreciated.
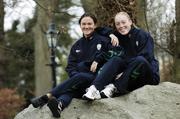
column 137, row 43
column 99, row 46
column 77, row 51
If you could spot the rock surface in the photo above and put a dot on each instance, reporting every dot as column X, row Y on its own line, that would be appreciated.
column 148, row 102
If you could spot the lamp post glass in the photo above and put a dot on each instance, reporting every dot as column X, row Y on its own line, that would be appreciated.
column 52, row 35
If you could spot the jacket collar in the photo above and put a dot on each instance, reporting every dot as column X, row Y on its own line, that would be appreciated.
column 90, row 37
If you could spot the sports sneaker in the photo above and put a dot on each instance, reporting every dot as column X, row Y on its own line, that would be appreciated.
column 39, row 101
column 55, row 107
column 92, row 93
column 108, row 91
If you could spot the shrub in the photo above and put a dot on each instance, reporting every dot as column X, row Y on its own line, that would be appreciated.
column 10, row 103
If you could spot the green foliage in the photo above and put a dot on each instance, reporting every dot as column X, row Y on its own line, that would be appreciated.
column 62, row 19
column 20, row 59
column 20, row 50
column 63, row 63
column 64, row 4
column 64, row 39
column 89, row 5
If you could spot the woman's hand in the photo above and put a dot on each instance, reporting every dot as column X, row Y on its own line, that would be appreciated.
column 114, row 40
column 94, row 66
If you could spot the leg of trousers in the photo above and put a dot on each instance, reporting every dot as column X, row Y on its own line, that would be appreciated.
column 137, row 74
column 71, row 87
column 65, row 99
column 108, row 73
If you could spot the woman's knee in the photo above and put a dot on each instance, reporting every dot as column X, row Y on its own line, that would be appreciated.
column 142, row 63
column 141, row 59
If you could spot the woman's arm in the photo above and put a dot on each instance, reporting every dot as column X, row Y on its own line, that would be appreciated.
column 145, row 46
column 72, row 63
column 108, row 32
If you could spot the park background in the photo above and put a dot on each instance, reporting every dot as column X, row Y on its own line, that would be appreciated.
column 24, row 51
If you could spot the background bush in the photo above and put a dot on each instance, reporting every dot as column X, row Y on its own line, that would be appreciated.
column 10, row 103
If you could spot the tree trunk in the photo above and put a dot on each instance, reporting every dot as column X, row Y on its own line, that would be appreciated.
column 42, row 72
column 140, row 11
column 177, row 51
column 48, row 11
column 107, row 9
column 1, row 20
column 2, row 58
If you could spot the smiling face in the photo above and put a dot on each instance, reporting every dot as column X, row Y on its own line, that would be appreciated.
column 123, row 23
column 87, row 26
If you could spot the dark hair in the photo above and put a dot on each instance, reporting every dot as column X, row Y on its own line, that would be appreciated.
column 88, row 15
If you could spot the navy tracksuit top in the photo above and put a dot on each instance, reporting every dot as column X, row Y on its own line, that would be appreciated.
column 136, row 43
column 140, row 43
column 86, row 50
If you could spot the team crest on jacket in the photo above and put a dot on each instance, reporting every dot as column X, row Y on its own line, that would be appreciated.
column 77, row 51
column 99, row 46
column 137, row 43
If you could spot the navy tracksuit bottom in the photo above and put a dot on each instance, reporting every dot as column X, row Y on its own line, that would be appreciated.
column 136, row 72
column 75, row 86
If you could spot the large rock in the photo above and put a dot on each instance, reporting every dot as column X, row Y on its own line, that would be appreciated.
column 148, row 102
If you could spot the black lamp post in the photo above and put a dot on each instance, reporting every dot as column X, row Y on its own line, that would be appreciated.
column 52, row 35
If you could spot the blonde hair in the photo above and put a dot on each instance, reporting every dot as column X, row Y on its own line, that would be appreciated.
column 123, row 13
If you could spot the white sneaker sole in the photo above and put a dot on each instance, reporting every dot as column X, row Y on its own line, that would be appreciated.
column 87, row 98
